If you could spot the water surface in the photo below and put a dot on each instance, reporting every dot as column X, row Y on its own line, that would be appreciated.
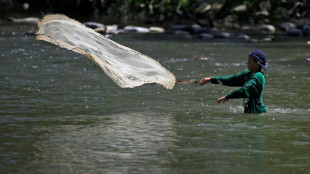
column 59, row 113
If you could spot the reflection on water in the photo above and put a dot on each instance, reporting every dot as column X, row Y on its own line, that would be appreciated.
column 59, row 113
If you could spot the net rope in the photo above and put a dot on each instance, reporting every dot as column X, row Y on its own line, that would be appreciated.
column 126, row 67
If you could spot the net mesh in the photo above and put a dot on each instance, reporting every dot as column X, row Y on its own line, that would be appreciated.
column 126, row 67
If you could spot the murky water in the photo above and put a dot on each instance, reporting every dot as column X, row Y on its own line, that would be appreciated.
column 59, row 113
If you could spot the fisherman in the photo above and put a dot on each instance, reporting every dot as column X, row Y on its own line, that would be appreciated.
column 251, row 81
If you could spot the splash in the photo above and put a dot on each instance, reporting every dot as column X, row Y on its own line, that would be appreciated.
column 126, row 67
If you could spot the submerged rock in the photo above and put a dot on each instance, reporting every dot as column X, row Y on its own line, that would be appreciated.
column 178, row 32
column 192, row 29
column 206, row 36
column 243, row 37
column 93, row 25
column 108, row 29
column 294, row 32
column 200, row 30
column 111, row 29
column 136, row 29
column 269, row 38
column 180, row 28
column 269, row 29
column 286, row 26
column 29, row 20
column 156, row 30
column 251, row 40
column 100, row 30
column 221, row 34
column 306, row 30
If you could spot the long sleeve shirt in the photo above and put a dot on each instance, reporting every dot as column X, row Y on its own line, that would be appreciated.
column 251, row 89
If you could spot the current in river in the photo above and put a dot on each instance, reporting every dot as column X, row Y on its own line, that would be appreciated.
column 59, row 112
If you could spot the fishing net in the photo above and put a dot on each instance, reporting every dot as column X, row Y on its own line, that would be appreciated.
column 126, row 67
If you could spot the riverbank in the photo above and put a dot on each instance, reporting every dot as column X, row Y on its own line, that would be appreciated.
column 251, row 34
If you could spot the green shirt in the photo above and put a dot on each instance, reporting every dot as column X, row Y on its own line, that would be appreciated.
column 251, row 90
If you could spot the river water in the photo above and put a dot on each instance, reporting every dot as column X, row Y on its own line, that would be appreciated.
column 59, row 113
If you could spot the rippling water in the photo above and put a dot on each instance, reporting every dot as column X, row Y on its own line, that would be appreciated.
column 59, row 113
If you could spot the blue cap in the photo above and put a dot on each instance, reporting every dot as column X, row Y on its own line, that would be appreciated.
column 259, row 56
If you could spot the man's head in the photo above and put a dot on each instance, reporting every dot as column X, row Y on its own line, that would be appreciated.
column 259, row 57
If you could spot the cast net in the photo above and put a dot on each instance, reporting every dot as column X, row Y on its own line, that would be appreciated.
column 126, row 67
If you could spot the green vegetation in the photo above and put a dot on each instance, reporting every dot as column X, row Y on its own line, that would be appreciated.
column 241, row 11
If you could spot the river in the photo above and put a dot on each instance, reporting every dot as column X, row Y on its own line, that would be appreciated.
column 59, row 113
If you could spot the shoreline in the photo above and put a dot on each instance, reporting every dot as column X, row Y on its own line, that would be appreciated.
column 250, row 34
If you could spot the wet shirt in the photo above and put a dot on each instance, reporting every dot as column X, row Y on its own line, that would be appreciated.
column 251, row 90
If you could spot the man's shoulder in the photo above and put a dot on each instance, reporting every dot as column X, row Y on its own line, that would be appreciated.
column 246, row 71
column 258, row 75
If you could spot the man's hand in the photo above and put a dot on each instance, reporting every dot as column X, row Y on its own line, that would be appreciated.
column 221, row 100
column 205, row 80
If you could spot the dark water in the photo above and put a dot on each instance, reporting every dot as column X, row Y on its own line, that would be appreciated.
column 61, row 114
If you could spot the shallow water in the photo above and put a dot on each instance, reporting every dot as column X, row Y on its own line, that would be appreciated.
column 59, row 113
